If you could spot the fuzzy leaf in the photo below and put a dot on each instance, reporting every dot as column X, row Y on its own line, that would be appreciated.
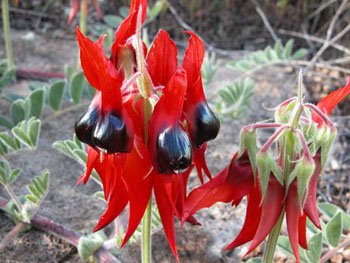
column 76, row 86
column 37, row 98
column 334, row 229
column 8, row 141
column 315, row 246
column 7, row 78
column 89, row 244
column 13, row 175
column 5, row 122
column 287, row 52
column 56, row 94
column 34, row 131
column 17, row 111
column 22, row 136
column 329, row 210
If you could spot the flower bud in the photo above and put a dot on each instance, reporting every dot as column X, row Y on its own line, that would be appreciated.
column 173, row 151
column 111, row 134
column 86, row 123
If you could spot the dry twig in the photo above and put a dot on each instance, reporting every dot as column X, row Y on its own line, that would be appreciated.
column 265, row 20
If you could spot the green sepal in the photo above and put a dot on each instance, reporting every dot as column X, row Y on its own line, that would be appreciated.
column 89, row 244
column 304, row 174
column 283, row 113
column 248, row 141
column 267, row 165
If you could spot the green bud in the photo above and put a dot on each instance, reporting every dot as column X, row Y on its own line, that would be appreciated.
column 324, row 140
column 267, row 165
column 248, row 141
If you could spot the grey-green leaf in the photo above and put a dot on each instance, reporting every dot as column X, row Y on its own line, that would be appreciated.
column 17, row 111
column 37, row 98
column 76, row 86
column 56, row 94
column 334, row 229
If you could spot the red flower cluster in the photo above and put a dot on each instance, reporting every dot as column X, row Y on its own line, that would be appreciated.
column 148, row 124
column 264, row 207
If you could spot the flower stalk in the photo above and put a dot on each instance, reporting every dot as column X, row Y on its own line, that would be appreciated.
column 83, row 15
column 6, row 24
column 146, row 249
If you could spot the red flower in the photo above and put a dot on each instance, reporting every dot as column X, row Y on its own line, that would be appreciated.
column 237, row 180
column 75, row 7
column 158, row 158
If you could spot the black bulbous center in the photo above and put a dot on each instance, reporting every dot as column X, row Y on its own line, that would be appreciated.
column 173, row 151
column 111, row 134
column 85, row 125
column 207, row 124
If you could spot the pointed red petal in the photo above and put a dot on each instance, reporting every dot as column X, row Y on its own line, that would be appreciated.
column 138, row 179
column 92, row 156
column 115, row 205
column 328, row 103
column 302, row 231
column 199, row 160
column 232, row 183
column 251, row 221
column 162, row 59
column 310, row 207
column 292, row 216
column 166, row 212
column 135, row 6
column 75, row 6
column 192, row 63
column 271, row 209
column 100, row 72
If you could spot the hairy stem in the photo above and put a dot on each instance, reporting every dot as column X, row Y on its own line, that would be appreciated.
column 6, row 24
column 13, row 196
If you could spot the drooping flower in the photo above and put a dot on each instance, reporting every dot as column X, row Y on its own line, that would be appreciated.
column 75, row 7
column 265, row 204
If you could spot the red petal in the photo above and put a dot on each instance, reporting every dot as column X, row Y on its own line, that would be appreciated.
column 302, row 231
column 192, row 63
column 293, row 212
column 199, row 160
column 310, row 207
column 271, row 209
column 135, row 6
column 100, row 72
column 328, row 103
column 166, row 212
column 92, row 157
column 75, row 6
column 251, row 221
column 138, row 180
column 162, row 59
column 116, row 205
column 232, row 183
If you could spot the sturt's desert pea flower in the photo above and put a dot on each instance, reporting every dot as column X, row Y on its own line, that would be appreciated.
column 272, row 191
column 141, row 129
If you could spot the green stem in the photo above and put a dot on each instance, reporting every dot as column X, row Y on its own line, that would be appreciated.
column 83, row 15
column 272, row 240
column 146, row 233
column 6, row 23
